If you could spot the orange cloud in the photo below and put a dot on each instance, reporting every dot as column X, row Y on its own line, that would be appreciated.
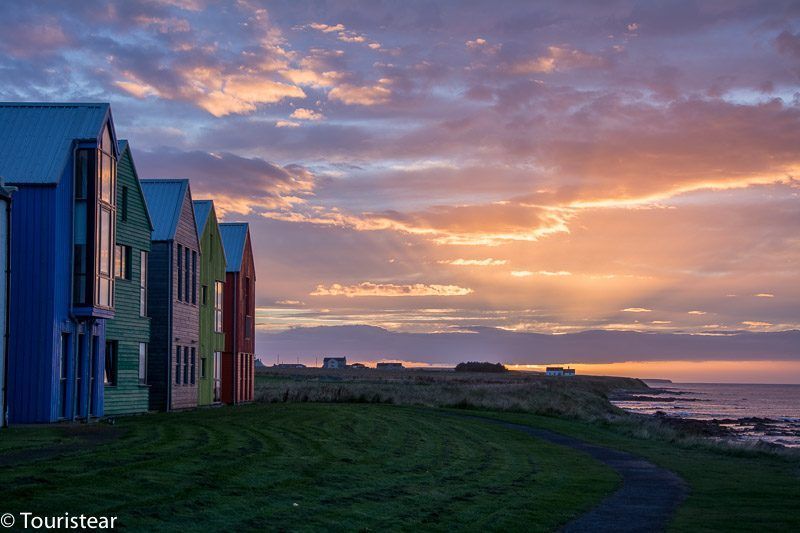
column 558, row 58
column 474, row 262
column 389, row 289
column 306, row 114
column 367, row 95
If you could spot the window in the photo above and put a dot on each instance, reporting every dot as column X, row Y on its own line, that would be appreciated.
column 124, row 203
column 105, row 255
column 204, row 294
column 187, row 278
column 185, row 365
column 194, row 277
column 143, row 283
column 248, row 316
column 193, row 370
column 177, row 365
column 142, row 363
column 112, row 356
column 180, row 273
column 62, row 392
column 122, row 262
column 218, row 288
column 203, row 362
column 94, row 223
column 217, row 373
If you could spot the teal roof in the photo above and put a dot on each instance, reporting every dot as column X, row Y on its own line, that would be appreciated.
column 202, row 208
column 123, row 145
column 234, row 235
column 36, row 139
column 164, row 202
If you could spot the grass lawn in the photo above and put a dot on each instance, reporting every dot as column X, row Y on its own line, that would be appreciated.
column 299, row 467
column 730, row 490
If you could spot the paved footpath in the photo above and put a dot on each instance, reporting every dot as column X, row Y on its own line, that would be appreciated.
column 645, row 502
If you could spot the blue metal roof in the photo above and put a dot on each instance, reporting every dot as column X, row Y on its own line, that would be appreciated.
column 36, row 138
column 123, row 145
column 202, row 208
column 164, row 201
column 234, row 235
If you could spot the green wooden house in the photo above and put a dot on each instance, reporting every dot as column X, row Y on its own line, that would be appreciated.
column 212, row 287
column 128, row 333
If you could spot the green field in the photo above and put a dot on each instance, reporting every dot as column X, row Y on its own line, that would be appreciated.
column 371, row 451
column 299, row 467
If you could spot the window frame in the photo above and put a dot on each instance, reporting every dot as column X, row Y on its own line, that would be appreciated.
column 143, row 269
column 219, row 302
column 111, row 366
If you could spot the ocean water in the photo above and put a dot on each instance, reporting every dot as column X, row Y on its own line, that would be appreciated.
column 766, row 412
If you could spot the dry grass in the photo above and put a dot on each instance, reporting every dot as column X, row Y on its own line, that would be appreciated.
column 581, row 397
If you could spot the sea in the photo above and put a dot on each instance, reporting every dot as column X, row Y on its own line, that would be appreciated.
column 769, row 413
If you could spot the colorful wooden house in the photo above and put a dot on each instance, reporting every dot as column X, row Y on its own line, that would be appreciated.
column 5, row 244
column 128, row 333
column 212, row 290
column 63, row 160
column 172, row 295
column 238, row 360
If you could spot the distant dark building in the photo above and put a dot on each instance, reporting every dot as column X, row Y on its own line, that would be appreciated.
column 334, row 362
column 284, row 365
column 390, row 366
column 358, row 365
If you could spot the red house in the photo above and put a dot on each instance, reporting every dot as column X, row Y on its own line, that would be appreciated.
column 238, row 314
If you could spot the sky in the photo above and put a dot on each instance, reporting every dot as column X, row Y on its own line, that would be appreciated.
column 435, row 168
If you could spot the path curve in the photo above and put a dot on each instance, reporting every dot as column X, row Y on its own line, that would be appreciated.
column 646, row 501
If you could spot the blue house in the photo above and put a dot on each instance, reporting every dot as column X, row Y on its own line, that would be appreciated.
column 62, row 158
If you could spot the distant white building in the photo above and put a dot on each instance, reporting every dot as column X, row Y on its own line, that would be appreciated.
column 334, row 362
column 559, row 371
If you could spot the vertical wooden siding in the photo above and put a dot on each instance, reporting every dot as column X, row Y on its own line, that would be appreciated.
column 212, row 269
column 127, row 327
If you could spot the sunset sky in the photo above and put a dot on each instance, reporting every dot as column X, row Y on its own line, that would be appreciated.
column 436, row 167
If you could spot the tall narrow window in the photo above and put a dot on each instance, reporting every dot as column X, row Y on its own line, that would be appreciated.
column 124, row 206
column 204, row 294
column 112, row 355
column 218, row 288
column 194, row 277
column 180, row 273
column 142, row 363
column 217, row 373
column 203, row 369
column 193, row 369
column 185, row 365
column 177, row 365
column 143, row 283
column 63, row 390
column 187, row 274
column 248, row 316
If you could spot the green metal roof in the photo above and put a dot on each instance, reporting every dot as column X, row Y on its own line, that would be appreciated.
column 234, row 235
column 164, row 202
column 36, row 139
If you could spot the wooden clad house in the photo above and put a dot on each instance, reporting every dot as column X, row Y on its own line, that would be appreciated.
column 5, row 221
column 212, row 290
column 238, row 360
column 172, row 295
column 128, row 333
column 63, row 160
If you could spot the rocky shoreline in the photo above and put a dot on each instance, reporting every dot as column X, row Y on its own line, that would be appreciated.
column 769, row 431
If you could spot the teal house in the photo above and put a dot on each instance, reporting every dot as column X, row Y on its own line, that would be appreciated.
column 128, row 333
